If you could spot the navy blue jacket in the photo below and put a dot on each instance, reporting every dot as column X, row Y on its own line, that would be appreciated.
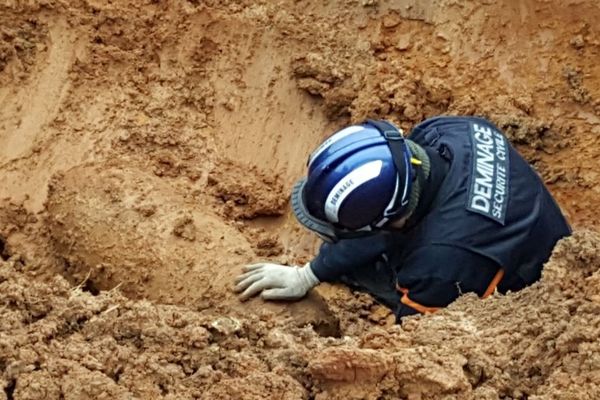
column 491, row 218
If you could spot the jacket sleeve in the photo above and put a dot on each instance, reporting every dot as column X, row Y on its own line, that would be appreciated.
column 337, row 259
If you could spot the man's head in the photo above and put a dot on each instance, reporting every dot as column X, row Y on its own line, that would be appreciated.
column 359, row 181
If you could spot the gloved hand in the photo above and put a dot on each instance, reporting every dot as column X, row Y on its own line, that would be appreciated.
column 275, row 282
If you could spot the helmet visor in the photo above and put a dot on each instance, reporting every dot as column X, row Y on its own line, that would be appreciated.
column 324, row 230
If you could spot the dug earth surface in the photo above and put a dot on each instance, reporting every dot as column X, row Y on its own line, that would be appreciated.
column 147, row 152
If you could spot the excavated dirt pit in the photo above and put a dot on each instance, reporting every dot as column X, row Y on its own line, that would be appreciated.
column 147, row 150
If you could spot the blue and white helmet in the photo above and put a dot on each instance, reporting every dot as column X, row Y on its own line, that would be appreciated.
column 358, row 179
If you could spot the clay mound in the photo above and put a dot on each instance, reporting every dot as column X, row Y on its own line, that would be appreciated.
column 245, row 193
column 542, row 341
column 59, row 342
column 116, row 225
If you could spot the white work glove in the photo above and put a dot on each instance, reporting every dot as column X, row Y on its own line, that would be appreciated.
column 275, row 282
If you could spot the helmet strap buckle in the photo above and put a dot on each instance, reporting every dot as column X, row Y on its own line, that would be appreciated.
column 390, row 135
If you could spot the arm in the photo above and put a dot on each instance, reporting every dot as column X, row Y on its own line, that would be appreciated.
column 336, row 259
column 280, row 282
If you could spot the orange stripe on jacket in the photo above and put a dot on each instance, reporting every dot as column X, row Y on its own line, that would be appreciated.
column 492, row 286
column 413, row 304
column 430, row 310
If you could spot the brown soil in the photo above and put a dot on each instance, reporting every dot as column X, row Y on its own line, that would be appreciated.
column 147, row 150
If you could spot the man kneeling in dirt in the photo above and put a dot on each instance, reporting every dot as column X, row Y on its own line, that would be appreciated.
column 416, row 222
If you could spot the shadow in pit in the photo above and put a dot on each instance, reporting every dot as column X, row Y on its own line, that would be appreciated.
column 313, row 310
column 90, row 287
column 9, row 389
column 3, row 249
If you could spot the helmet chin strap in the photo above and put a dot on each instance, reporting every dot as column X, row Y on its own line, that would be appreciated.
column 422, row 172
